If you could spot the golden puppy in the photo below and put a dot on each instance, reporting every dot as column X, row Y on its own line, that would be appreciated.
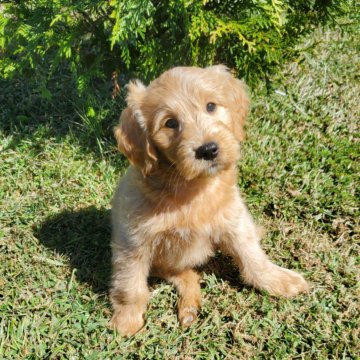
column 179, row 201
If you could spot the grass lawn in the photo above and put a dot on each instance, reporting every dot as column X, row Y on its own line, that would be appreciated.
column 299, row 175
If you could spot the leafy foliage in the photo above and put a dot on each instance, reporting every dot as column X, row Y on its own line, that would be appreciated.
column 69, row 50
column 143, row 37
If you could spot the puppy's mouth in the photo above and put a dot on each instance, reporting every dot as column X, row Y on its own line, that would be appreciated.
column 213, row 168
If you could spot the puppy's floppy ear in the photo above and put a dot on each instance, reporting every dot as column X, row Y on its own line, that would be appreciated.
column 235, row 92
column 131, row 133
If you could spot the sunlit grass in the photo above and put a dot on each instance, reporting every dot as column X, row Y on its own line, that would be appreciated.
column 299, row 175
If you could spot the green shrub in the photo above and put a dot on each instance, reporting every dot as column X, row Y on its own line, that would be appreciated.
column 144, row 37
column 80, row 45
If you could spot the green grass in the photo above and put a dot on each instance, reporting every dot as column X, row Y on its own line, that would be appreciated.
column 299, row 175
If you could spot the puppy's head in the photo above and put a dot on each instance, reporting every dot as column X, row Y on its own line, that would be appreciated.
column 189, row 118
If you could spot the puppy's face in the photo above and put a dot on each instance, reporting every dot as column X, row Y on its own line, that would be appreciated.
column 189, row 118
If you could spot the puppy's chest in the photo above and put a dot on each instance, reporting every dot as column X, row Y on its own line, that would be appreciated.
column 181, row 239
column 188, row 235
column 188, row 222
column 184, row 247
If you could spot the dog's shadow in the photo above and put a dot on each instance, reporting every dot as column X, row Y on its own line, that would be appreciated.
column 84, row 237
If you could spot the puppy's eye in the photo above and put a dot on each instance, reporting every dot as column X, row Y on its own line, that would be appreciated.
column 172, row 124
column 210, row 107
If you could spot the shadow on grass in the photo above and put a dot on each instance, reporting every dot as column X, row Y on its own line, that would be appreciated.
column 84, row 237
column 223, row 267
column 26, row 115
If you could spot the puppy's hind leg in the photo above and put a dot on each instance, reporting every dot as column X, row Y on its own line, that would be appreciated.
column 188, row 288
column 243, row 244
column 129, row 293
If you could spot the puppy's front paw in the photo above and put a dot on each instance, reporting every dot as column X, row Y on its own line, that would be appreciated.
column 127, row 320
column 187, row 315
column 283, row 282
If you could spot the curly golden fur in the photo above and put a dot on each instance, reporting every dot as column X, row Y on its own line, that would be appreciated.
column 179, row 202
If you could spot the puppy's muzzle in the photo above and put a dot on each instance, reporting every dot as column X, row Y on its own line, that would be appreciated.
column 207, row 151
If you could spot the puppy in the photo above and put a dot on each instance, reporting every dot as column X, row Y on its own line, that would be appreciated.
column 179, row 201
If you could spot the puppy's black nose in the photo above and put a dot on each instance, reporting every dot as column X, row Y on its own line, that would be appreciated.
column 207, row 151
